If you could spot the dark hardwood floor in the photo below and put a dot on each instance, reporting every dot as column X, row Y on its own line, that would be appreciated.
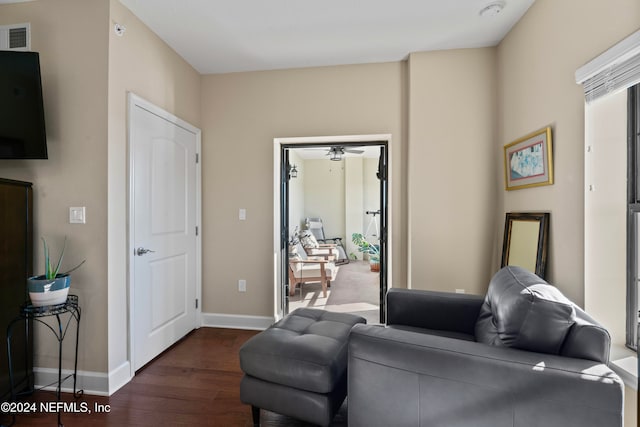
column 194, row 383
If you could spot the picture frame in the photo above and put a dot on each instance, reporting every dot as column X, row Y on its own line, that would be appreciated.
column 525, row 241
column 528, row 161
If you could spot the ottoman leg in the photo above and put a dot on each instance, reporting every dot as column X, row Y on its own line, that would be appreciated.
column 255, row 413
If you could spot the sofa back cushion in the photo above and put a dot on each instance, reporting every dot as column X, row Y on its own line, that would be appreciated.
column 587, row 339
column 523, row 311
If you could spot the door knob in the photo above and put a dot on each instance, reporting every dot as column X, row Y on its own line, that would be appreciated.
column 141, row 251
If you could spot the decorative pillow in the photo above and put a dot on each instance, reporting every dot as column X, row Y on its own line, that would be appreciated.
column 523, row 311
column 308, row 240
column 293, row 251
column 300, row 252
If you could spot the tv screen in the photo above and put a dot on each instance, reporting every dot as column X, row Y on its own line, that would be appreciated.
column 22, row 131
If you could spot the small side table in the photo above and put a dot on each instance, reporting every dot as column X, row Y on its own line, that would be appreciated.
column 37, row 314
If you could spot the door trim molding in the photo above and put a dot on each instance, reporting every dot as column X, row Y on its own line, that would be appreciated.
column 372, row 139
column 133, row 101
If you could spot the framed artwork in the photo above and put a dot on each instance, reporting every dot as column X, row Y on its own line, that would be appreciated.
column 525, row 241
column 528, row 161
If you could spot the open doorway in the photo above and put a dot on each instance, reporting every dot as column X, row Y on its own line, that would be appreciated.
column 340, row 185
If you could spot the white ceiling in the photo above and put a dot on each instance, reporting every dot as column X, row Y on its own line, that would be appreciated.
column 221, row 36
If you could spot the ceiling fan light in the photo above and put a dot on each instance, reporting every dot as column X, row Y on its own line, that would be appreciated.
column 335, row 153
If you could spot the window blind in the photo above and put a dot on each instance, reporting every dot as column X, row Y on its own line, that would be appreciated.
column 616, row 69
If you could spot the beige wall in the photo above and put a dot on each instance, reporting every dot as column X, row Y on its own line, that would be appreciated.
column 241, row 114
column 72, row 39
column 452, row 164
column 83, row 65
column 354, row 191
column 536, row 65
column 630, row 407
column 450, row 113
column 141, row 63
column 324, row 194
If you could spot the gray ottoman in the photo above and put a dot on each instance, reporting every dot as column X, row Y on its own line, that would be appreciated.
column 298, row 366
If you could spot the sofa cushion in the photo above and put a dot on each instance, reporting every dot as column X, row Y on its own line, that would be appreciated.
column 306, row 350
column 313, row 270
column 523, row 311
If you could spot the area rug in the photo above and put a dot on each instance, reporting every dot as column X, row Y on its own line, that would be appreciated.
column 355, row 290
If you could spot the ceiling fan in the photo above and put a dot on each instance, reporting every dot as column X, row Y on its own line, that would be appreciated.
column 335, row 153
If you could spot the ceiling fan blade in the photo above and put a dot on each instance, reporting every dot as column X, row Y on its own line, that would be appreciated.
column 351, row 150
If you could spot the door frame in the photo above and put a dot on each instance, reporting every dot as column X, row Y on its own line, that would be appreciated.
column 373, row 139
column 137, row 101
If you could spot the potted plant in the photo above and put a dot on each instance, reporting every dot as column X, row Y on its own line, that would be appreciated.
column 52, row 287
column 365, row 247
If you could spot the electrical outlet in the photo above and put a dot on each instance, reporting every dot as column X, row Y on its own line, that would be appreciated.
column 242, row 285
column 460, row 291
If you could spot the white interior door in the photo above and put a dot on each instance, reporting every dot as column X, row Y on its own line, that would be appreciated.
column 163, row 230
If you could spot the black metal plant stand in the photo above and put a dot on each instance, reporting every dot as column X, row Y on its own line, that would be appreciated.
column 29, row 312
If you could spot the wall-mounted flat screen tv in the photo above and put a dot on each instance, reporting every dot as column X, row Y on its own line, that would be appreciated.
column 22, row 131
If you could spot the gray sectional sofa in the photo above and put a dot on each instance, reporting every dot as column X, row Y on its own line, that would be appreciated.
column 523, row 355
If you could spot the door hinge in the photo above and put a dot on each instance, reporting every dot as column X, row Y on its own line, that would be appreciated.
column 196, row 230
column 196, row 303
column 197, row 158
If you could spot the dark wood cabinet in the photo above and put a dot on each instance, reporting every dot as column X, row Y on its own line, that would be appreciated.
column 16, row 264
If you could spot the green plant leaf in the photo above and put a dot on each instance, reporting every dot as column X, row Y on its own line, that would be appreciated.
column 47, row 265
column 49, row 272
column 74, row 268
column 363, row 245
column 64, row 246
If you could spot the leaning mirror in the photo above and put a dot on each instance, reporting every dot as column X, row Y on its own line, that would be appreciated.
column 525, row 241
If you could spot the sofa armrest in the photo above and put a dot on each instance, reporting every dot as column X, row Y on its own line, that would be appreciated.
column 433, row 310
column 421, row 379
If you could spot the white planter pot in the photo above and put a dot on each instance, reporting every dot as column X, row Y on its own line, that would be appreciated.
column 43, row 292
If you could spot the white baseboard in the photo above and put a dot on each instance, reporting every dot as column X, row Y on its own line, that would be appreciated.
column 96, row 383
column 103, row 384
column 119, row 376
column 234, row 321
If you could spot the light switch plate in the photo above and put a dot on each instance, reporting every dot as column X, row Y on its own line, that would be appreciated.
column 77, row 215
column 242, row 214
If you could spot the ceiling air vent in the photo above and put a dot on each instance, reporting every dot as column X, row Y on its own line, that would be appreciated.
column 15, row 37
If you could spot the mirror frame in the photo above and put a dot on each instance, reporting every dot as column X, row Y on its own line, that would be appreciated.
column 541, row 246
